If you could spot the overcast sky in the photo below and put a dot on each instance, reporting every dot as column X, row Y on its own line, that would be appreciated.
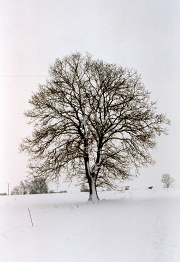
column 137, row 34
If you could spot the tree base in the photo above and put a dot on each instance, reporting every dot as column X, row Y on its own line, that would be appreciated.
column 93, row 198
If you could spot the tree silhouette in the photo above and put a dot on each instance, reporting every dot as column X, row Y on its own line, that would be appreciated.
column 92, row 120
column 167, row 180
column 38, row 186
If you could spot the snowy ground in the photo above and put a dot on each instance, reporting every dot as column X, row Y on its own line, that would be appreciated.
column 124, row 227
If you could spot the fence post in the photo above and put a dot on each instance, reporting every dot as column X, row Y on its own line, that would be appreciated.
column 30, row 216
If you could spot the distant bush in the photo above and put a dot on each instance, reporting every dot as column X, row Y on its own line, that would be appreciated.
column 51, row 191
column 3, row 194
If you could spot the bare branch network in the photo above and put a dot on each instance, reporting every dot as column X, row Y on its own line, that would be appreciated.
column 93, row 120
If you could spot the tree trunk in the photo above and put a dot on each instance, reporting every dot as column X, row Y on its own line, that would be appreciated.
column 93, row 196
column 91, row 177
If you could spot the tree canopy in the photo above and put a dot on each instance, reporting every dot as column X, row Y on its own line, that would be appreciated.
column 92, row 120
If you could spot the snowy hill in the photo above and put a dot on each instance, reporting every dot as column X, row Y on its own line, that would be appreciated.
column 137, row 225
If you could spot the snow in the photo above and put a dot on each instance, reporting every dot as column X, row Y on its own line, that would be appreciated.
column 137, row 225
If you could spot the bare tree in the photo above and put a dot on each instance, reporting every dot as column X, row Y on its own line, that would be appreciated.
column 167, row 180
column 22, row 189
column 93, row 120
column 15, row 191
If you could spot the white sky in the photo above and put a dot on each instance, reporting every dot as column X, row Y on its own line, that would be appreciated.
column 138, row 34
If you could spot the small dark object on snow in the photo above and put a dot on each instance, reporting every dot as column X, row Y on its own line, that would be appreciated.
column 150, row 187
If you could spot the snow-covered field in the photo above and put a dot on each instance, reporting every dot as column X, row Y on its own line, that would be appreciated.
column 125, row 227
